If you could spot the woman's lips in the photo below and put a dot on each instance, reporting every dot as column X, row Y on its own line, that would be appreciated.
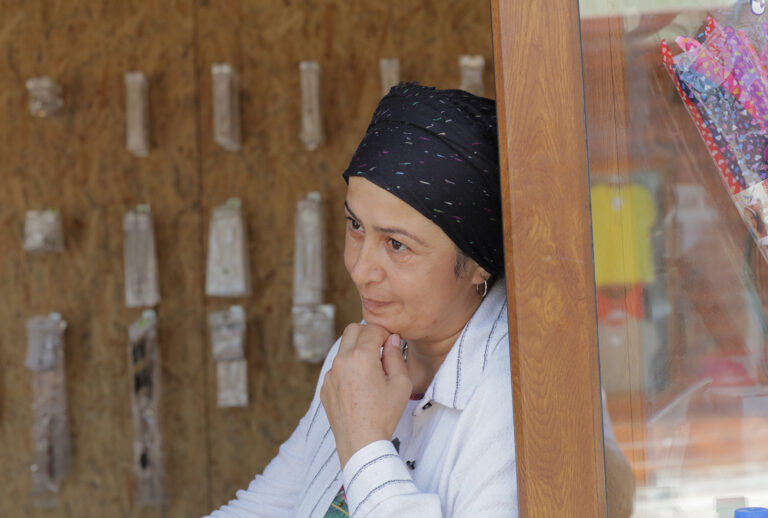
column 374, row 306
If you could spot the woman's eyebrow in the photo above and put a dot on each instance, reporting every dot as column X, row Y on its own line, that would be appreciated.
column 346, row 206
column 388, row 230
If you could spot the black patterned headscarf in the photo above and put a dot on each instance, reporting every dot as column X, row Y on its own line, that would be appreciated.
column 437, row 151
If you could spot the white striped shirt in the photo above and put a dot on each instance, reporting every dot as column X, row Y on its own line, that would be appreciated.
column 457, row 454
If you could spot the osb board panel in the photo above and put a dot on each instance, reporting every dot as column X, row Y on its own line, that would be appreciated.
column 78, row 162
column 266, row 41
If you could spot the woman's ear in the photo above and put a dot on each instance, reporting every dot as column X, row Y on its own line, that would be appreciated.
column 479, row 275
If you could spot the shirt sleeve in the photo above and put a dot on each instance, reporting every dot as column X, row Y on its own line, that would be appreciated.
column 274, row 493
column 479, row 476
column 377, row 483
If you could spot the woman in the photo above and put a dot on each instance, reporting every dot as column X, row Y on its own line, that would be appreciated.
column 413, row 411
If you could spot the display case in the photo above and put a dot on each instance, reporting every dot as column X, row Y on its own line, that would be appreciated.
column 634, row 139
column 676, row 194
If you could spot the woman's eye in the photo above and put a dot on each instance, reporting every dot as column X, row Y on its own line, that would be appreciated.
column 353, row 223
column 397, row 246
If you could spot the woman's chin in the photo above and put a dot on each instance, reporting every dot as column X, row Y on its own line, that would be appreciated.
column 378, row 320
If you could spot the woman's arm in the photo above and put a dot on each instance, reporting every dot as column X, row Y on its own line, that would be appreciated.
column 478, row 475
column 366, row 390
column 275, row 493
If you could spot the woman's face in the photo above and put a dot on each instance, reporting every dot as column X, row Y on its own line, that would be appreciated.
column 403, row 267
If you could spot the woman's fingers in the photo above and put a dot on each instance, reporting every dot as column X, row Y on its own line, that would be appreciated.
column 368, row 338
column 371, row 338
column 392, row 358
column 349, row 337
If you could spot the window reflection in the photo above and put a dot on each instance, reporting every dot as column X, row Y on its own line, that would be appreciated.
column 680, row 278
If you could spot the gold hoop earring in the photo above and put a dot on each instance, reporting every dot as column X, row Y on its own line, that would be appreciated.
column 485, row 288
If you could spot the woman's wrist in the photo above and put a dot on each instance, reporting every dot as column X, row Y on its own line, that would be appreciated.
column 353, row 445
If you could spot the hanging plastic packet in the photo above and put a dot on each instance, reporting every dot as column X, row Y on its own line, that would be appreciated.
column 228, row 333
column 722, row 78
column 50, row 429
column 43, row 231
column 309, row 252
column 145, row 397
column 136, row 114
column 232, row 380
column 45, row 98
column 312, row 134
column 313, row 331
column 226, row 106
column 227, row 341
column 389, row 70
column 472, row 74
column 141, row 282
column 228, row 272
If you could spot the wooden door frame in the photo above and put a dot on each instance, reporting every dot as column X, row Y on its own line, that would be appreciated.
column 549, row 260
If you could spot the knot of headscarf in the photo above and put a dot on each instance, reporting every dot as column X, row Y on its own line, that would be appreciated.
column 437, row 151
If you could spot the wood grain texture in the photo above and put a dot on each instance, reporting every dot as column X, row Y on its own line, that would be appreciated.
column 550, row 278
column 78, row 162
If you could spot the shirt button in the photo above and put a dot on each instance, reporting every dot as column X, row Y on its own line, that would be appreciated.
column 429, row 404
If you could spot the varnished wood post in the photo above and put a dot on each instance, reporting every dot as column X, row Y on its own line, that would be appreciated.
column 549, row 262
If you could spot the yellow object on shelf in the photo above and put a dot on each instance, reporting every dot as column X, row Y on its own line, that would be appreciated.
column 622, row 217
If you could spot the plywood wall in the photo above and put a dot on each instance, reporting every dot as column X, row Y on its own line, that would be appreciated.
column 78, row 163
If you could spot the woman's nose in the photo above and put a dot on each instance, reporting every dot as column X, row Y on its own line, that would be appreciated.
column 366, row 267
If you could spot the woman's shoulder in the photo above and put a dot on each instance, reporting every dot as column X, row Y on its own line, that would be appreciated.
column 495, row 382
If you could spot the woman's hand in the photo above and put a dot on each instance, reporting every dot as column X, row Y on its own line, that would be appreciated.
column 364, row 395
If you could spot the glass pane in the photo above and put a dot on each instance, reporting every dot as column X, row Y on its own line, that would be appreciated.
column 677, row 124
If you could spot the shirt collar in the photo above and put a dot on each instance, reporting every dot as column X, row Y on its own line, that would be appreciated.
column 462, row 369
